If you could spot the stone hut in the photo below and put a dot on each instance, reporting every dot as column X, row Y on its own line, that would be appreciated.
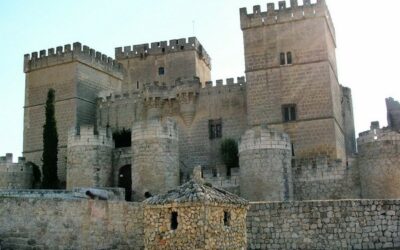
column 195, row 216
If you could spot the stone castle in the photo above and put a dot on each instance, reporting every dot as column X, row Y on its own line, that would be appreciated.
column 150, row 120
column 292, row 119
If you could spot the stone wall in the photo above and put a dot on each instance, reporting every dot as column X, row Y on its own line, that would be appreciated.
column 224, row 101
column 200, row 226
column 70, row 224
column 344, row 224
column 15, row 175
column 320, row 178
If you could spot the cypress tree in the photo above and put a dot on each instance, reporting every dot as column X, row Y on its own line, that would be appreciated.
column 50, row 145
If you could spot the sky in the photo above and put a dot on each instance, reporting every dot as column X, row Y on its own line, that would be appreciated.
column 367, row 34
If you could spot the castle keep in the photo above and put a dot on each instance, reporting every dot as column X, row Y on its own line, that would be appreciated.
column 150, row 122
column 291, row 117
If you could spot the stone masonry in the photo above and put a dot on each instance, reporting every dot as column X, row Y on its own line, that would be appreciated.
column 15, row 175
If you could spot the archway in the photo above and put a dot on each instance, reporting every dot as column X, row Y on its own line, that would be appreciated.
column 125, row 181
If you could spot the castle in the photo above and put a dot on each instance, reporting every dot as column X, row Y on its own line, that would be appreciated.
column 150, row 119
column 292, row 119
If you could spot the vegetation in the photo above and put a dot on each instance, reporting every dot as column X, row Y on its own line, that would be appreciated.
column 37, row 175
column 50, row 145
column 229, row 154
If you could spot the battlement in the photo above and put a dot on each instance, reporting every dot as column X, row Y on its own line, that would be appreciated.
column 377, row 134
column 284, row 13
column 318, row 168
column 163, row 47
column 70, row 53
column 155, row 129
column 264, row 138
column 88, row 135
column 7, row 164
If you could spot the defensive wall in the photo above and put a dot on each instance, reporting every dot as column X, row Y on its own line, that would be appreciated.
column 15, row 175
column 192, row 106
column 321, row 178
column 87, row 224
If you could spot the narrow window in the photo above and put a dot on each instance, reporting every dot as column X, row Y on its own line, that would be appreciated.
column 174, row 220
column 227, row 218
column 161, row 71
column 289, row 112
column 163, row 50
column 289, row 57
column 215, row 128
column 137, row 85
column 283, row 59
column 293, row 154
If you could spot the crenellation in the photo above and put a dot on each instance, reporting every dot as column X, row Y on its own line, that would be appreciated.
column 15, row 175
column 90, row 135
column 282, row 5
column 284, row 14
column 79, row 53
column 162, row 47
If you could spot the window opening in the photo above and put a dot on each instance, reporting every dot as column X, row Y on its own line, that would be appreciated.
column 215, row 128
column 174, row 220
column 282, row 59
column 161, row 71
column 227, row 218
column 289, row 112
column 289, row 57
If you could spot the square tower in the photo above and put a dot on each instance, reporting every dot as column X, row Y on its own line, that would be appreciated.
column 77, row 74
column 292, row 76
column 163, row 62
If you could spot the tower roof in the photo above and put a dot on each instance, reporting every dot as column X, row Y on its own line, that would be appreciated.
column 195, row 192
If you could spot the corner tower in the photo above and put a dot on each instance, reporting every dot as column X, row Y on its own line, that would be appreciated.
column 77, row 74
column 163, row 62
column 292, row 76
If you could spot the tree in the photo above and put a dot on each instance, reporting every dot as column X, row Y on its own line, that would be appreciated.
column 229, row 153
column 50, row 145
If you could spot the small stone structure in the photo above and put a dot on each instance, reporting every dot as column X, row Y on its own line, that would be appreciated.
column 195, row 216
column 265, row 164
column 89, row 158
column 15, row 175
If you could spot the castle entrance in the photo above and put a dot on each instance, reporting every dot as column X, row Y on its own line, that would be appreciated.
column 125, row 181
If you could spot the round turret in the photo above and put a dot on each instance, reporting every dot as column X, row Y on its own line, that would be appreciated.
column 155, row 157
column 89, row 158
column 379, row 164
column 265, row 165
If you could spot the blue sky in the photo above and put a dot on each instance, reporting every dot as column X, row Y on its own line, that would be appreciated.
column 367, row 39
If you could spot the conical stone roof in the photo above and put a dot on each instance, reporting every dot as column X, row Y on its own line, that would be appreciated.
column 196, row 192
